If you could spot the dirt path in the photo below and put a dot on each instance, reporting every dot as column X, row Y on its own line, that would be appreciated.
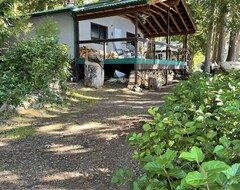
column 75, row 148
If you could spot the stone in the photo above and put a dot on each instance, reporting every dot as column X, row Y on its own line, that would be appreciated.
column 3, row 108
column 137, row 89
column 154, row 83
column 93, row 74
column 55, row 86
column 37, row 106
column 26, row 104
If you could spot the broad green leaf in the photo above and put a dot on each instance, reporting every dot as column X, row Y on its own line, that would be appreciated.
column 153, row 166
column 221, row 151
column 177, row 173
column 201, row 139
column 115, row 179
column 221, row 179
column 146, row 127
column 211, row 135
column 225, row 141
column 197, row 153
column 195, row 179
column 233, row 171
column 215, row 166
column 187, row 156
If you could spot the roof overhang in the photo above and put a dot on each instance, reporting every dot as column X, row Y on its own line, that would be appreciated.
column 152, row 15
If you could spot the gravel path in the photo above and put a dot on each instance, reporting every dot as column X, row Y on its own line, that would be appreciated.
column 79, row 148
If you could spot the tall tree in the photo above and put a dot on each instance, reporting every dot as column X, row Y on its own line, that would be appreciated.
column 212, row 4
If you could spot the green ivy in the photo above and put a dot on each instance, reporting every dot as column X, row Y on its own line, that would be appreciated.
column 193, row 143
column 30, row 67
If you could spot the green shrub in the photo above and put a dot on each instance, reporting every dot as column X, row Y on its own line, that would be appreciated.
column 31, row 67
column 194, row 142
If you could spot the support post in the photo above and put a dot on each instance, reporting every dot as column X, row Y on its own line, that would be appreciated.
column 167, row 41
column 77, row 53
column 104, row 51
column 136, row 48
column 185, row 47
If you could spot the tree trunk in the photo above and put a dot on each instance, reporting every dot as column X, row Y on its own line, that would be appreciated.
column 209, row 38
column 233, row 47
column 215, row 47
column 222, row 39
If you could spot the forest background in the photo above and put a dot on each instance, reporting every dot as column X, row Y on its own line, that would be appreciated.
column 218, row 26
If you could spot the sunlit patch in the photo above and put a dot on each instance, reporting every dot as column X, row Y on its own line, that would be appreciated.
column 9, row 177
column 51, row 129
column 68, row 149
column 33, row 113
column 111, row 90
column 60, row 176
column 108, row 136
column 3, row 144
column 85, row 126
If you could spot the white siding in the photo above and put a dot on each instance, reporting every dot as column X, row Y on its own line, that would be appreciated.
column 122, row 25
column 117, row 28
column 66, row 26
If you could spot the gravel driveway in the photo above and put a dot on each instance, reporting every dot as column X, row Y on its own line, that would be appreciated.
column 75, row 148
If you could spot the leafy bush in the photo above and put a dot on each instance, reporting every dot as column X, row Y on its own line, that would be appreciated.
column 194, row 142
column 31, row 67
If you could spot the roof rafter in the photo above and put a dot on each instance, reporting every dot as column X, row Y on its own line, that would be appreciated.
column 184, row 23
column 158, row 23
column 174, row 21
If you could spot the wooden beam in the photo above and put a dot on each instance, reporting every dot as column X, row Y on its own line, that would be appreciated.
column 174, row 21
column 150, row 23
column 174, row 33
column 189, row 16
column 162, row 9
column 183, row 21
column 173, row 2
column 105, row 40
column 163, row 18
column 143, row 25
column 156, row 20
column 113, row 12
column 169, row 7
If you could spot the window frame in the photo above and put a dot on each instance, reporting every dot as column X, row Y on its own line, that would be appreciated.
column 101, row 30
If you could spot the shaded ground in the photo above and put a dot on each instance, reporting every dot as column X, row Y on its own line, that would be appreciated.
column 78, row 147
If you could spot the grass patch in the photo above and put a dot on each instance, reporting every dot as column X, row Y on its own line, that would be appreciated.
column 82, row 97
column 19, row 133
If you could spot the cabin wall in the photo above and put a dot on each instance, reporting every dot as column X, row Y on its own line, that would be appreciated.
column 66, row 26
column 117, row 28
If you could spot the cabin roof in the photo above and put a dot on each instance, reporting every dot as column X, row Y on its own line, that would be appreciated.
column 152, row 14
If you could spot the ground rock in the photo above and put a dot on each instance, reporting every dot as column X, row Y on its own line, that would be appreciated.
column 154, row 83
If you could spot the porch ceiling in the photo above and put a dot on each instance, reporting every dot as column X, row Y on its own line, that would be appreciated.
column 152, row 15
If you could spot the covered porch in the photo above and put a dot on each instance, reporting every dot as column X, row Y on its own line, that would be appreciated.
column 153, row 18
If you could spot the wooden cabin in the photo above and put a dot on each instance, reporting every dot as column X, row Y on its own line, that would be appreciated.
column 111, row 25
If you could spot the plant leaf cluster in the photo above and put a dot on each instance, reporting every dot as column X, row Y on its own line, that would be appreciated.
column 193, row 143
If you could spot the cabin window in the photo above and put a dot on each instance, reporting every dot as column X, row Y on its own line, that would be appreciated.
column 98, row 32
column 130, row 35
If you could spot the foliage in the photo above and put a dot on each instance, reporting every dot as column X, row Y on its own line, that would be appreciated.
column 10, row 22
column 31, row 67
column 194, row 142
column 47, row 27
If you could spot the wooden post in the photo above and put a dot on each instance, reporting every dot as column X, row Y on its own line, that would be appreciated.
column 185, row 47
column 77, row 53
column 136, row 48
column 104, row 51
column 167, row 48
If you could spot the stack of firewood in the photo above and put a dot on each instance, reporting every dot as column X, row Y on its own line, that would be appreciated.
column 91, row 53
column 112, row 55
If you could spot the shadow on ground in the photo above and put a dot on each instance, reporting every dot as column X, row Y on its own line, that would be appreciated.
column 78, row 148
